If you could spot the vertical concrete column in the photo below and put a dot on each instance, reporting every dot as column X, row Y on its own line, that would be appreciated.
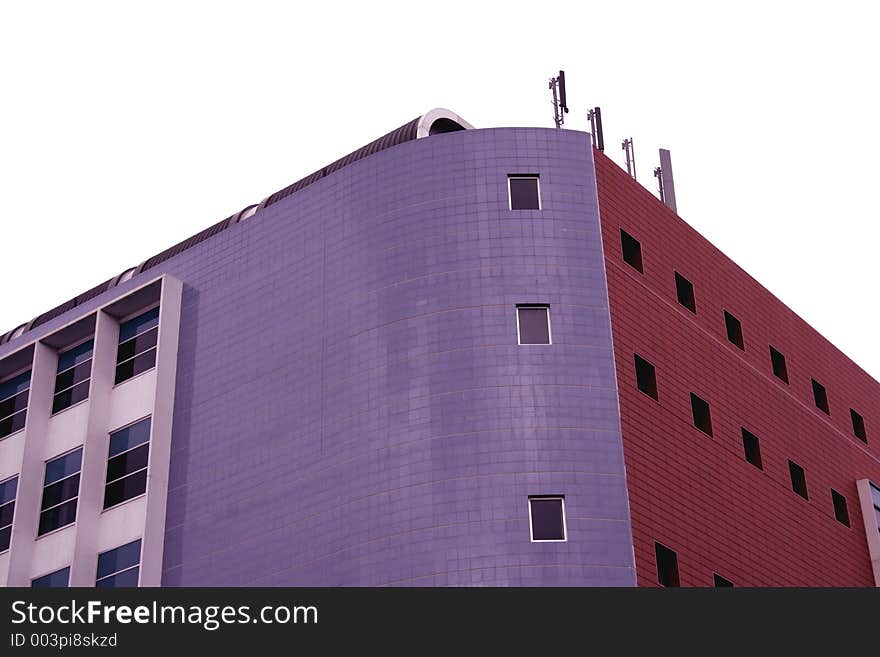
column 872, row 527
column 30, row 481
column 160, row 438
column 91, row 488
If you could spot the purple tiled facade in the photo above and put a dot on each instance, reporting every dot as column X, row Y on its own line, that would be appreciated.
column 352, row 406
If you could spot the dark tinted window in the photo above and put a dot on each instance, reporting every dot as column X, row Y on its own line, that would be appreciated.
column 524, row 193
column 841, row 513
column 548, row 520
column 632, row 251
column 73, row 376
column 734, row 330
column 14, row 394
column 752, row 448
column 667, row 565
column 798, row 479
column 820, row 396
column 119, row 567
column 858, row 425
column 137, row 345
column 684, row 290
column 127, row 459
column 779, row 367
column 58, row 579
column 702, row 415
column 60, row 492
column 646, row 377
column 8, row 491
column 533, row 323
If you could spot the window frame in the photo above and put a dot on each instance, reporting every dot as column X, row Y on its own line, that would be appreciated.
column 838, row 496
column 656, row 388
column 545, row 306
column 146, row 468
column 694, row 398
column 155, row 347
column 624, row 236
column 54, row 506
column 677, row 584
column 746, row 435
column 692, row 296
column 24, row 370
column 12, row 501
column 124, row 570
column 728, row 316
column 88, row 379
column 532, row 538
column 803, row 475
column 524, row 176
column 53, row 572
column 820, row 394
column 773, row 362
column 858, row 424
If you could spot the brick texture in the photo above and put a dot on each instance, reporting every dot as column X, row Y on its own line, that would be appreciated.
column 696, row 494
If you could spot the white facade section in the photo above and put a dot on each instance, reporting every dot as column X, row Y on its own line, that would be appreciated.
column 88, row 424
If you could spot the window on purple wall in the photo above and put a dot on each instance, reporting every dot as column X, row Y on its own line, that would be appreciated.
column 533, row 324
column 547, row 518
column 524, row 191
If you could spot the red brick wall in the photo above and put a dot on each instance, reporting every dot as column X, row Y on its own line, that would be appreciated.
column 696, row 494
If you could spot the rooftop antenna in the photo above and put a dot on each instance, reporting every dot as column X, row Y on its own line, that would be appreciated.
column 595, row 116
column 663, row 173
column 560, row 105
column 627, row 146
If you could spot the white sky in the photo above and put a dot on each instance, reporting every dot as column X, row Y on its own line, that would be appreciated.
column 124, row 130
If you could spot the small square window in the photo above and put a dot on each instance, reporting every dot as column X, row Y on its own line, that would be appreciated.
column 646, row 377
column 722, row 582
column 632, row 251
column 667, row 565
column 779, row 368
column 547, row 518
column 858, row 423
column 533, row 324
column 798, row 479
column 524, row 191
column 734, row 330
column 820, row 397
column 684, row 289
column 840, row 511
column 752, row 448
column 702, row 415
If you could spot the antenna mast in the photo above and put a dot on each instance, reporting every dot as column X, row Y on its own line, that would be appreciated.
column 663, row 173
column 627, row 146
column 560, row 105
column 595, row 116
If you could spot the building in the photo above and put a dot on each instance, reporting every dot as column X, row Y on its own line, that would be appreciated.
column 400, row 371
